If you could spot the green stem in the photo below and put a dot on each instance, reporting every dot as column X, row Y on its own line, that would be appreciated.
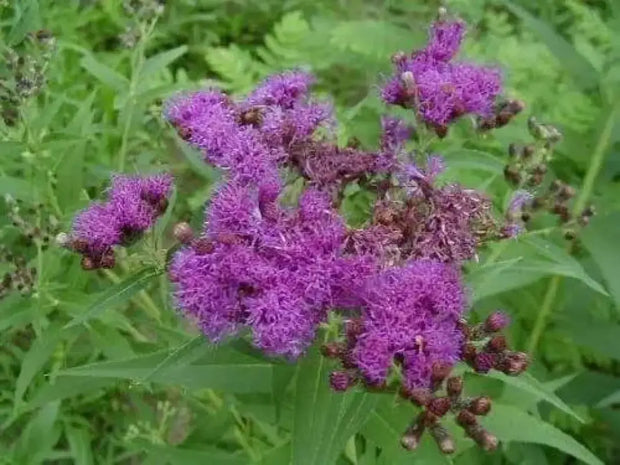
column 544, row 313
column 142, row 299
column 137, row 62
column 596, row 163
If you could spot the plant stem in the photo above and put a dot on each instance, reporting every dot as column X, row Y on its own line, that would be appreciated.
column 143, row 299
column 596, row 163
column 544, row 313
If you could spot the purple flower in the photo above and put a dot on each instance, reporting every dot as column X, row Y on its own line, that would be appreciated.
column 283, row 90
column 519, row 200
column 96, row 229
column 138, row 201
column 276, row 274
column 439, row 89
column 208, row 120
column 445, row 39
column 395, row 133
column 410, row 312
column 133, row 206
column 340, row 380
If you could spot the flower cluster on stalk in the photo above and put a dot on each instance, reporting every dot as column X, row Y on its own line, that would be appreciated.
column 277, row 270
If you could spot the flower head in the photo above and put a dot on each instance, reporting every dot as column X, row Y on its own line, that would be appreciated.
column 410, row 313
column 441, row 90
column 134, row 204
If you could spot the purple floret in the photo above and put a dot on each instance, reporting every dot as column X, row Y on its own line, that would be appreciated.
column 134, row 204
column 277, row 274
column 283, row 90
column 441, row 90
column 138, row 201
column 98, row 228
column 411, row 313
column 445, row 38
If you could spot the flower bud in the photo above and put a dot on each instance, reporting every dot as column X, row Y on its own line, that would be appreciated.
column 88, row 263
column 332, row 350
column 398, row 57
column 469, row 353
column 183, row 232
column 203, row 246
column 420, row 396
column 484, row 361
column 496, row 321
column 62, row 239
column 480, row 406
column 408, row 81
column 567, row 192
column 108, row 260
column 497, row 344
column 529, row 150
column 411, row 439
column 340, row 381
column 515, row 363
column 439, row 406
column 454, row 386
column 440, row 371
column 482, row 437
column 466, row 418
column 570, row 235
column 443, row 439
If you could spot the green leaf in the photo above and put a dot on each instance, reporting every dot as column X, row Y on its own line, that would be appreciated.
column 601, row 240
column 39, row 436
column 598, row 336
column 18, row 188
column 528, row 383
column 580, row 68
column 104, row 73
column 27, row 19
column 157, row 62
column 528, row 259
column 512, row 424
column 324, row 420
column 468, row 159
column 117, row 295
column 370, row 37
column 220, row 367
column 562, row 262
column 40, row 351
column 79, row 443
column 184, row 353
column 211, row 456
column 65, row 387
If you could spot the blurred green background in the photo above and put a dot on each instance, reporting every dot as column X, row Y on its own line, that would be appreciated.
column 81, row 91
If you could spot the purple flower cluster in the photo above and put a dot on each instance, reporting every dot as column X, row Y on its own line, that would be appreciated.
column 277, row 270
column 411, row 316
column 438, row 88
column 133, row 205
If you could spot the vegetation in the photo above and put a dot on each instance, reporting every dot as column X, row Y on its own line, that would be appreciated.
column 99, row 367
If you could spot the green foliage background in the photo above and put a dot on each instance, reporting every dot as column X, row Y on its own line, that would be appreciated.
column 99, row 368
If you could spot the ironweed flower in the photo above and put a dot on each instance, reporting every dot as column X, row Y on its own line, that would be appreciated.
column 134, row 204
column 439, row 89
